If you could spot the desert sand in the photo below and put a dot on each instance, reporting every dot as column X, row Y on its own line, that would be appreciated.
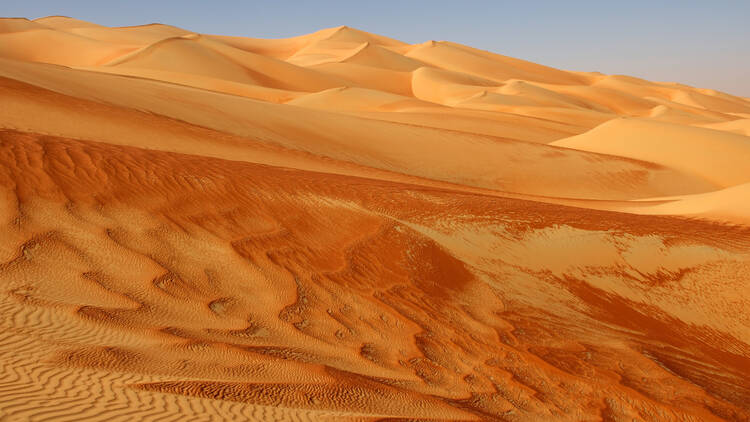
column 342, row 226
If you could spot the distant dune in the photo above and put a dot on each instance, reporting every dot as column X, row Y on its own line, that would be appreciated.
column 344, row 226
column 719, row 157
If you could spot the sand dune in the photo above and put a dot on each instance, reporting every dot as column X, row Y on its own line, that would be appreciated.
column 515, row 93
column 712, row 100
column 445, row 87
column 669, row 114
column 184, row 54
column 342, row 226
column 191, row 54
column 284, row 48
column 473, row 160
column 134, row 35
column 399, row 83
column 353, row 35
column 729, row 204
column 366, row 54
column 682, row 147
column 739, row 126
column 346, row 99
column 373, row 55
column 55, row 47
column 65, row 23
column 18, row 25
column 455, row 57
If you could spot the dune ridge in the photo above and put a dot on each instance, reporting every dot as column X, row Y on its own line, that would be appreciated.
column 342, row 226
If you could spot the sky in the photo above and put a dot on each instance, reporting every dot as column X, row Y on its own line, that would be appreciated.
column 697, row 42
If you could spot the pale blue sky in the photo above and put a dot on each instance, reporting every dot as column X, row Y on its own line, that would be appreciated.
column 702, row 43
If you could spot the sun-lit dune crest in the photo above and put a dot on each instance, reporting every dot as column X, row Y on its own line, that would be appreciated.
column 344, row 226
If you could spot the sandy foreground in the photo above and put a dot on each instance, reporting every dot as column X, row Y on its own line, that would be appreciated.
column 341, row 226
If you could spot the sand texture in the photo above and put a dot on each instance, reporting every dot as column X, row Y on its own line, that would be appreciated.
column 342, row 226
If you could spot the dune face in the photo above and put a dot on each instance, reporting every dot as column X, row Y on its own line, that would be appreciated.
column 342, row 226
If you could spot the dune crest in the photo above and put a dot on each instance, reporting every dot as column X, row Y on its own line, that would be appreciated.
column 342, row 226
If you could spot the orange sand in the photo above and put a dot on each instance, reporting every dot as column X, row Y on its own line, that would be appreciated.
column 342, row 226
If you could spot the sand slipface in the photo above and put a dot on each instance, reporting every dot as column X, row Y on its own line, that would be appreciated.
column 343, row 226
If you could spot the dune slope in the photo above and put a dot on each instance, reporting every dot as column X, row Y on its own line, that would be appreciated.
column 342, row 226
column 718, row 156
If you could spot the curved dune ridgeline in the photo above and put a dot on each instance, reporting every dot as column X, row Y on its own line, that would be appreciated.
column 342, row 226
